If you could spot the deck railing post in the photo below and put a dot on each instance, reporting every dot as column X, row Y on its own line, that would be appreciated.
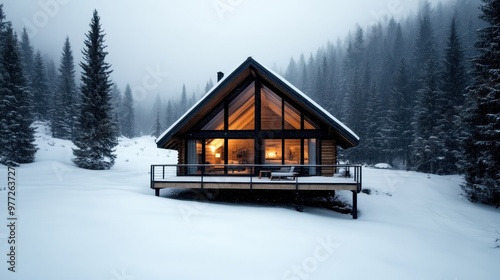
column 354, row 204
column 151, row 176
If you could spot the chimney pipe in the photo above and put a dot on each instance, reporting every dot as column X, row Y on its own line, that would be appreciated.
column 220, row 75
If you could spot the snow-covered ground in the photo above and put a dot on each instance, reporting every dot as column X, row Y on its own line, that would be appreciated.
column 83, row 224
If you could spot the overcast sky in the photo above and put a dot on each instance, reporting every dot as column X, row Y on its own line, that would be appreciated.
column 156, row 46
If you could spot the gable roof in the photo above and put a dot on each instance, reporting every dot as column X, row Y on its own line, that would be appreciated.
column 250, row 67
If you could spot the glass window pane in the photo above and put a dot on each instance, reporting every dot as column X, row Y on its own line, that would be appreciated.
column 242, row 110
column 270, row 109
column 292, row 151
column 217, row 123
column 292, row 117
column 214, row 151
column 272, row 151
column 241, row 151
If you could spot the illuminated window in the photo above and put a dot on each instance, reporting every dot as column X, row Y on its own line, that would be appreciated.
column 242, row 110
column 214, row 151
column 292, row 117
column 217, row 122
column 292, row 151
column 271, row 116
column 273, row 151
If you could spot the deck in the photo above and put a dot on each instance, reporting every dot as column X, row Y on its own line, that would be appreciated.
column 246, row 177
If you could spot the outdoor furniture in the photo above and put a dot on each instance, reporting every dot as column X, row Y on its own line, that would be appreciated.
column 284, row 172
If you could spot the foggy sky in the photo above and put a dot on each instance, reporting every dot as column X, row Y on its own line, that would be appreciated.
column 156, row 46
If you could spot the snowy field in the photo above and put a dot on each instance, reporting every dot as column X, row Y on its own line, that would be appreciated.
column 82, row 224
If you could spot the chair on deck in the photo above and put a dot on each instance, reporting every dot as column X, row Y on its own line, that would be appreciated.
column 283, row 172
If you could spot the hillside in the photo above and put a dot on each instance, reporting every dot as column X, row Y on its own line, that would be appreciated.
column 83, row 224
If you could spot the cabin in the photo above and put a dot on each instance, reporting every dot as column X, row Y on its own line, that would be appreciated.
column 255, row 130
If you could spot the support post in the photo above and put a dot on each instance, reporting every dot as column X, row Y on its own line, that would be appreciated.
column 299, row 201
column 354, row 204
column 157, row 192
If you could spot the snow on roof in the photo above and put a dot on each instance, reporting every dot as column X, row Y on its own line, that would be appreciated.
column 283, row 80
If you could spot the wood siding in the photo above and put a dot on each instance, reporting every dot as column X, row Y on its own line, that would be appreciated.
column 328, row 156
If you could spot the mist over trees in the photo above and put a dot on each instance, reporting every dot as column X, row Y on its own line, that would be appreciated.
column 399, row 85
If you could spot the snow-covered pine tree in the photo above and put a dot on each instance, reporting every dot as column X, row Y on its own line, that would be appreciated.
column 156, row 125
column 184, row 104
column 16, row 133
column 401, row 131
column 482, row 146
column 127, row 114
column 454, row 78
column 95, row 129
column 428, row 144
column 27, row 56
column 52, row 88
column 66, row 99
column 117, row 107
column 40, row 89
column 169, row 119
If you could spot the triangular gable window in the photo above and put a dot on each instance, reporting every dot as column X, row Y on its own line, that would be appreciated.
column 216, row 123
column 242, row 110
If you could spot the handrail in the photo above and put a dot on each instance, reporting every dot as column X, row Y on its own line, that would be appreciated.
column 172, row 170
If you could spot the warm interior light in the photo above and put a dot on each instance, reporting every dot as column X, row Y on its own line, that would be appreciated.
column 212, row 148
column 217, row 155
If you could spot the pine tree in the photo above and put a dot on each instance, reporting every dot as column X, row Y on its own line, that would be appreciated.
column 96, row 131
column 52, row 80
column 428, row 146
column 16, row 133
column 157, row 126
column 128, row 117
column 184, row 106
column 209, row 85
column 400, row 117
column 169, row 119
column 117, row 108
column 453, row 87
column 40, row 89
column 482, row 146
column 66, row 99
column 27, row 56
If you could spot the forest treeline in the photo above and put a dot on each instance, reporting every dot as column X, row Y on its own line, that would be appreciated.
column 421, row 92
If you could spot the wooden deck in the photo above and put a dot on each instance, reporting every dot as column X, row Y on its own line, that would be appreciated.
column 165, row 176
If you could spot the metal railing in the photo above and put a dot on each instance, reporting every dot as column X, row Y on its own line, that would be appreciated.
column 161, row 172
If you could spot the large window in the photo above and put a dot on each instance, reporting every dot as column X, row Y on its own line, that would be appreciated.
column 240, row 152
column 292, row 151
column 214, row 151
column 292, row 117
column 242, row 110
column 217, row 122
column 273, row 151
column 271, row 115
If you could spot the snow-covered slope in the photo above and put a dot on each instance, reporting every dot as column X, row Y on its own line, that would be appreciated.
column 83, row 224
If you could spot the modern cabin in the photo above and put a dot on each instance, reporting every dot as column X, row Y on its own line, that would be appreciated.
column 251, row 123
